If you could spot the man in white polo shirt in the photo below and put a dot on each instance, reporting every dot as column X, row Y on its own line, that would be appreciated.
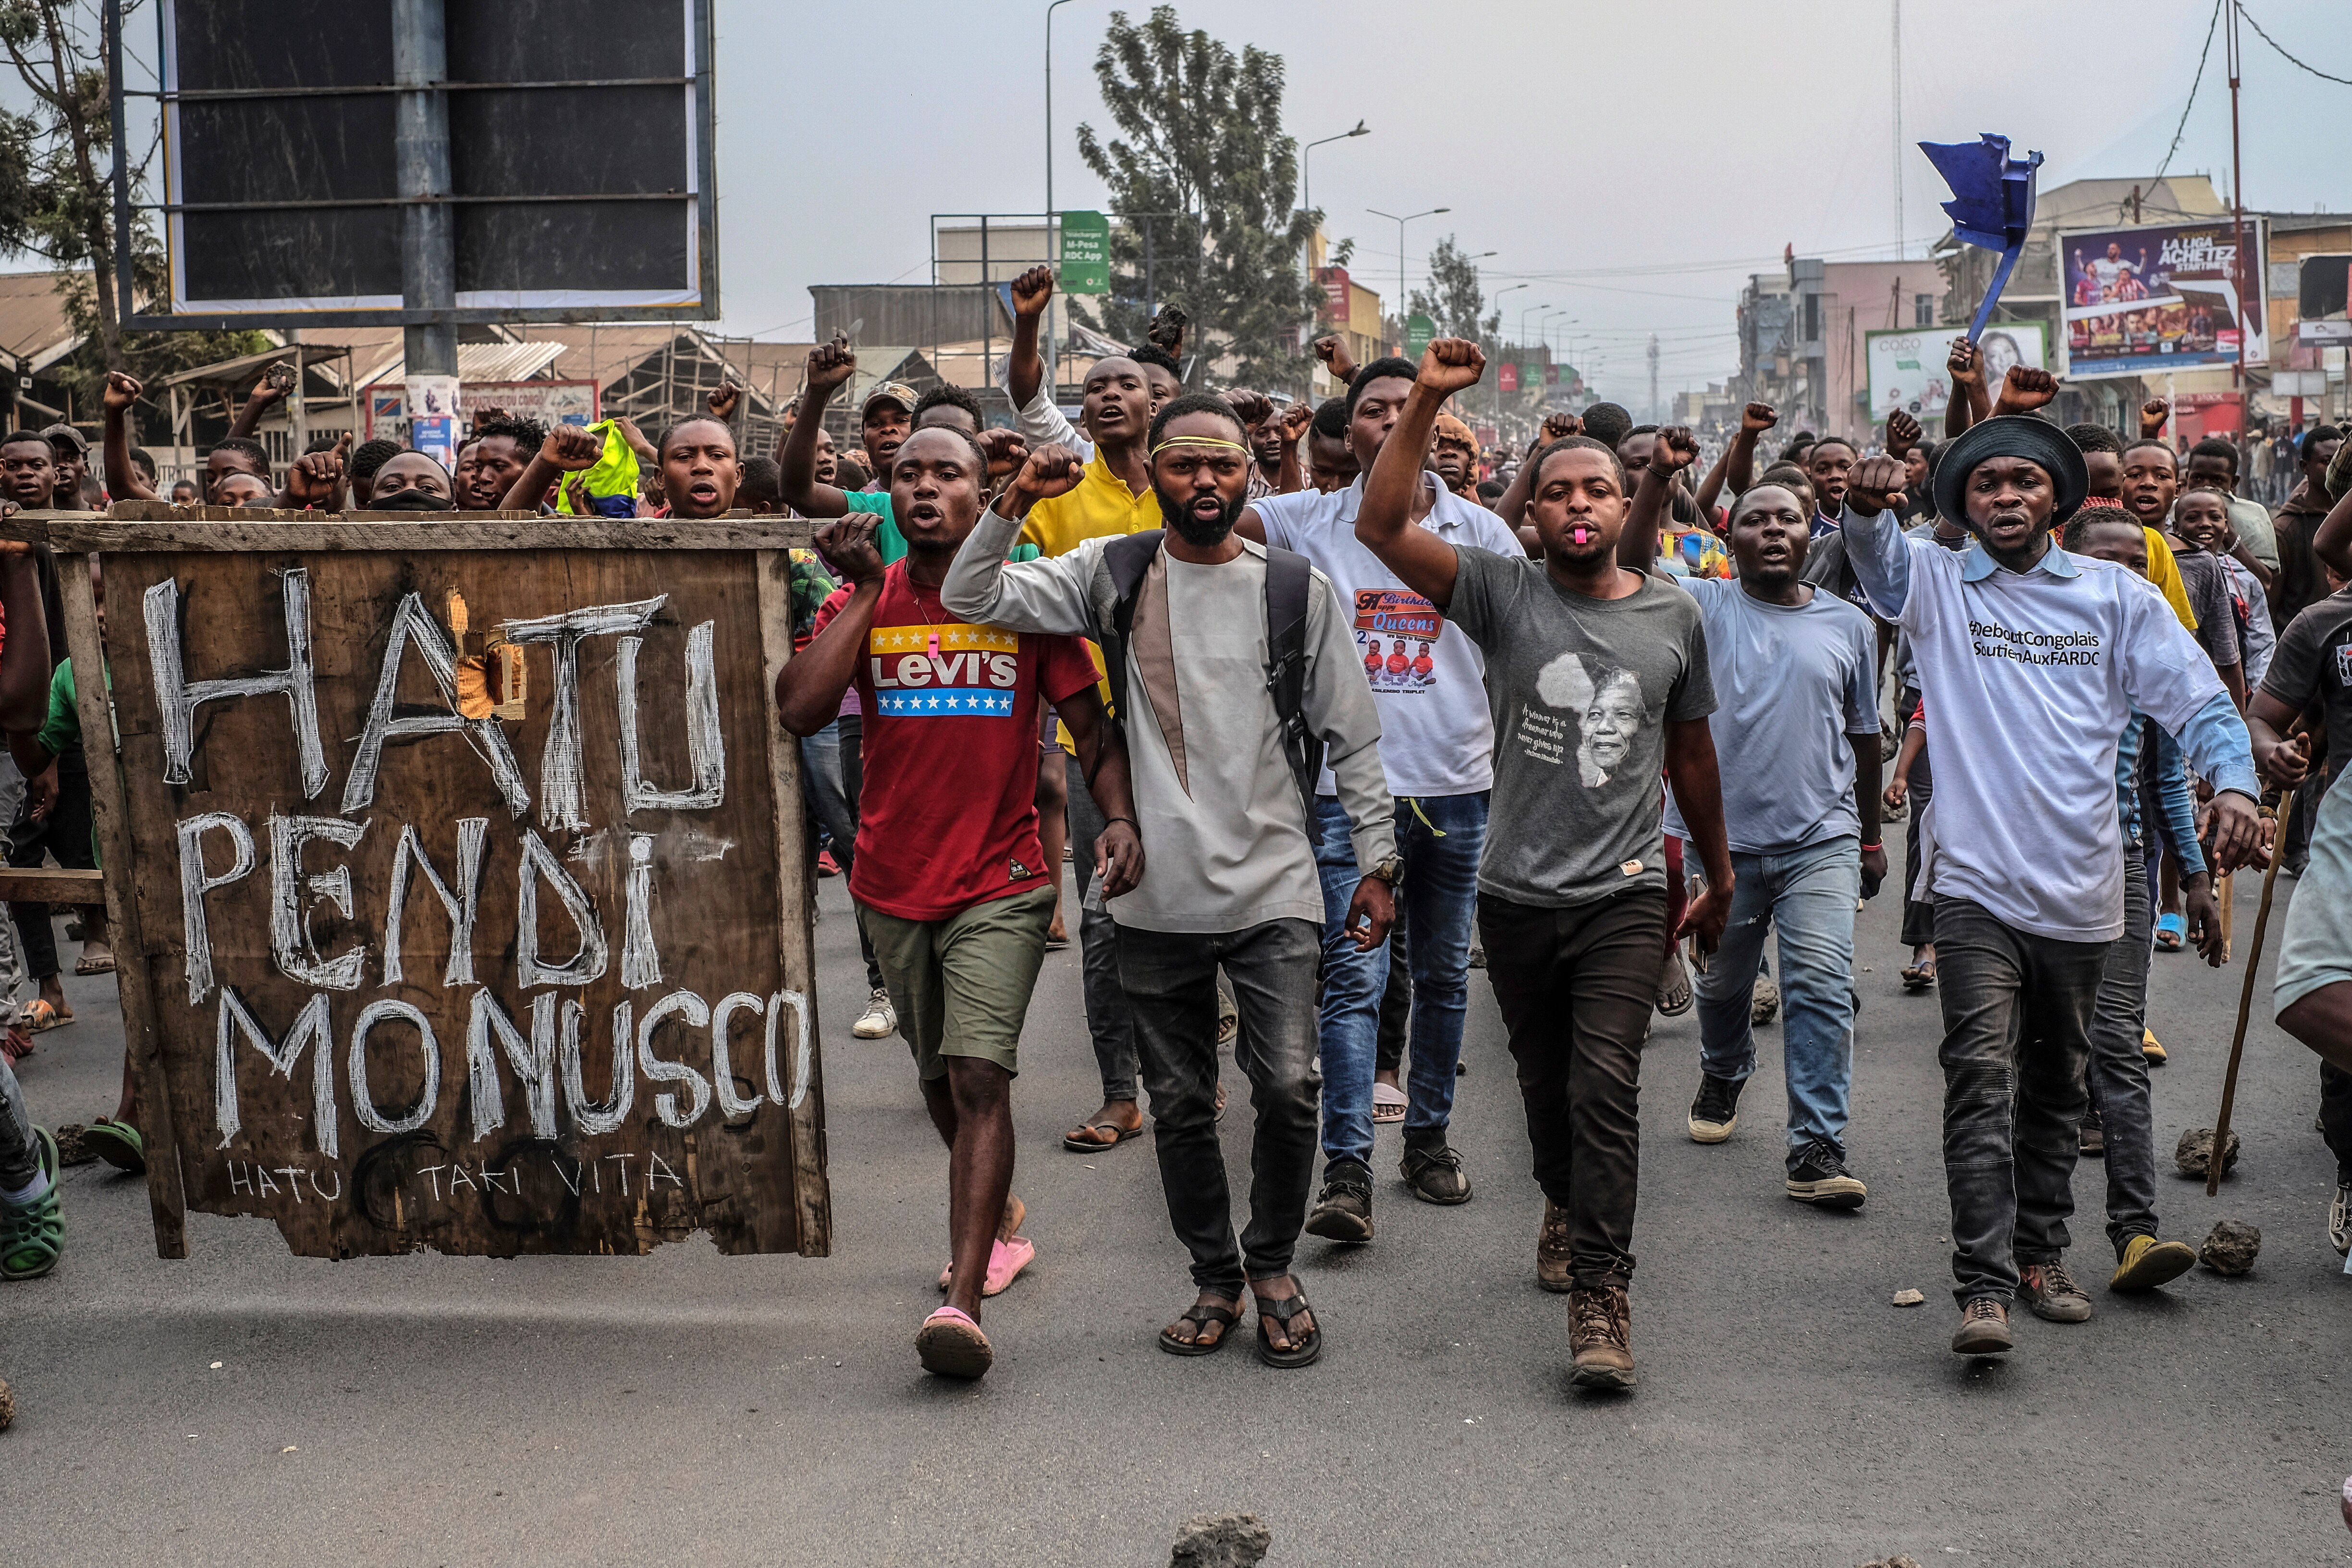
column 2032, row 660
column 1437, row 742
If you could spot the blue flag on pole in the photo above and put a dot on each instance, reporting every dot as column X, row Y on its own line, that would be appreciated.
column 1992, row 204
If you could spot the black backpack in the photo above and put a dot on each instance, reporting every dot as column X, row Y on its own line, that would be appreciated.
column 1288, row 583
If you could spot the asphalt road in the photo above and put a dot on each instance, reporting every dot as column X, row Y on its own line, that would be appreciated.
column 243, row 1407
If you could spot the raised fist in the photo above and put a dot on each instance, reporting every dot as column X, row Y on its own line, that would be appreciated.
column 2152, row 415
column 572, row 449
column 122, row 391
column 831, row 365
column 1295, row 419
column 1759, row 417
column 315, row 477
column 848, row 543
column 1875, row 486
column 1675, row 450
column 1050, row 470
column 2025, row 390
column 1006, row 451
column 1561, row 426
column 1450, row 365
column 723, row 401
column 1902, row 433
column 1254, row 407
column 1333, row 351
column 1031, row 291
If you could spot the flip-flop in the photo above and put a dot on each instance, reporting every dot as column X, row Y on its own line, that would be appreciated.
column 1078, row 1145
column 1388, row 1102
column 1007, row 1260
column 2170, row 929
column 1306, row 1347
column 1201, row 1317
column 94, row 965
column 951, row 1345
column 1675, row 996
column 118, row 1143
column 40, row 1016
column 1919, row 976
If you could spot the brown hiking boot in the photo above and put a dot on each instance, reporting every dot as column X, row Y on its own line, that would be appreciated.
column 1600, row 1334
column 1984, row 1329
column 1551, row 1248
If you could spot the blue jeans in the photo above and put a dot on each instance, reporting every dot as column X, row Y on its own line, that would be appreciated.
column 828, row 801
column 1809, row 894
column 1439, row 837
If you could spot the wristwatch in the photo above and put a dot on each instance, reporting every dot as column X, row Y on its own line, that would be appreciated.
column 1390, row 870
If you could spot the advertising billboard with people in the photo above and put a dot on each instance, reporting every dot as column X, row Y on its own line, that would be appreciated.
column 2162, row 298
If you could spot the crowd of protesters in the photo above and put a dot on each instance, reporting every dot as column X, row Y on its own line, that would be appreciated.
column 1328, row 708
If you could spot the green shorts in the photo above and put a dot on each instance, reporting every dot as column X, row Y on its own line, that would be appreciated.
column 961, row 985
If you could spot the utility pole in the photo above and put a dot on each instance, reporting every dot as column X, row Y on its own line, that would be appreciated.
column 2244, row 274
column 1657, row 414
column 1051, row 346
column 428, row 265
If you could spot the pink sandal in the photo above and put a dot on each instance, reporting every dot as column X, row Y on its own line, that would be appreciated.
column 1006, row 1258
column 951, row 1345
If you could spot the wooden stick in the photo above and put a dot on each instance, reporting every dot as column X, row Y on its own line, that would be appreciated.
column 2246, row 998
column 2225, row 896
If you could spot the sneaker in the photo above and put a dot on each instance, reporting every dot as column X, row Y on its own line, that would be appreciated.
column 1435, row 1176
column 1601, row 1337
column 1343, row 1210
column 1716, row 1111
column 2339, row 1219
column 2095, row 1136
column 1551, row 1248
column 2150, row 1049
column 880, row 1021
column 1818, row 1177
column 1766, row 1004
column 1984, row 1329
column 32, row 1234
column 2147, row 1263
column 2052, row 1293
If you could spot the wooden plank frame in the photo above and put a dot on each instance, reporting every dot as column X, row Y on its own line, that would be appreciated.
column 86, row 541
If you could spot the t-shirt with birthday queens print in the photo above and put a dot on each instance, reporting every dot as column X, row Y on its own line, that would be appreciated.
column 948, row 816
column 1581, row 690
column 1436, row 737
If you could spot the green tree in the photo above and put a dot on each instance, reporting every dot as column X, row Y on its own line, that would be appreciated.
column 57, row 196
column 1454, row 299
column 1198, row 141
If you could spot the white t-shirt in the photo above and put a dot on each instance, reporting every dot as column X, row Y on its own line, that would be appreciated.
column 2029, row 680
column 1437, row 734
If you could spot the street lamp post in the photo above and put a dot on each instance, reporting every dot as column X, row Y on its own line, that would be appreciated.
column 1496, row 391
column 1401, row 222
column 1306, row 205
column 1051, row 346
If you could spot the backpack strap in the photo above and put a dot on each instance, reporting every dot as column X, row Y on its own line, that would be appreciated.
column 1127, row 558
column 1289, row 582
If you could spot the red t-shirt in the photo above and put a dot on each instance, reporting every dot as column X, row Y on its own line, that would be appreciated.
column 948, row 814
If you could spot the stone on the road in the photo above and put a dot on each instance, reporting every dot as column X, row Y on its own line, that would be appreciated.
column 2196, row 1149
column 1892, row 1563
column 1908, row 1298
column 2232, row 1247
column 7, row 1406
column 1220, row 1540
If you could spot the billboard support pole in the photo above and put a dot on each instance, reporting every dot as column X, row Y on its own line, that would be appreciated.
column 428, row 263
column 2238, row 216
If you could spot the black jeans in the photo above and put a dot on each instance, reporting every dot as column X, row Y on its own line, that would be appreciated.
column 1109, row 1021
column 1170, row 979
column 851, row 727
column 1918, row 914
column 1576, row 987
column 65, row 833
column 2017, row 1048
column 2335, row 1117
column 1396, row 1000
column 2118, row 1080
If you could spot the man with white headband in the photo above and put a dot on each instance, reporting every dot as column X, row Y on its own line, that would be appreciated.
column 1235, row 675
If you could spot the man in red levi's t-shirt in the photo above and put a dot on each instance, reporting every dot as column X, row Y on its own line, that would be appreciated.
column 951, row 886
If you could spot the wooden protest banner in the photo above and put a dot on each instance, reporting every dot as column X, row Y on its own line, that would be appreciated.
column 458, row 876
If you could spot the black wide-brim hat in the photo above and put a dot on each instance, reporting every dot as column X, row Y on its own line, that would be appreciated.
column 2011, row 436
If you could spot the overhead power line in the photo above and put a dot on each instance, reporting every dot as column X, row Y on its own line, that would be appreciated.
column 2289, row 59
column 2182, row 129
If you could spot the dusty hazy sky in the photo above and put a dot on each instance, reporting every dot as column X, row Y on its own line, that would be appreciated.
column 1632, row 164
column 1628, row 164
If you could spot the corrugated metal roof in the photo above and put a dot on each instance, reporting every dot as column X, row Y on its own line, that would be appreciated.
column 478, row 361
column 33, row 324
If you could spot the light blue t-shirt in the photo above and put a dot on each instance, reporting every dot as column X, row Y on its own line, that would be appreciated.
column 1790, row 684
